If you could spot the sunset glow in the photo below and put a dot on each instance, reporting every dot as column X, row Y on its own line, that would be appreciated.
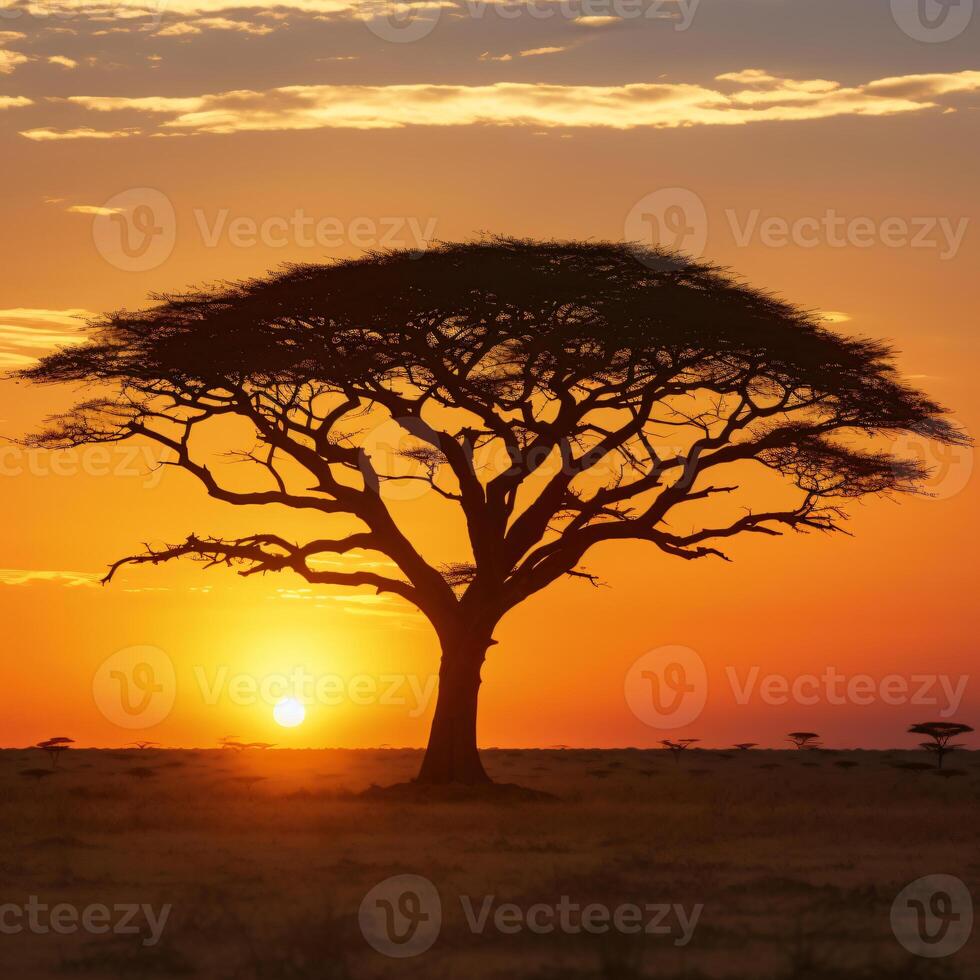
column 837, row 172
column 289, row 713
column 490, row 489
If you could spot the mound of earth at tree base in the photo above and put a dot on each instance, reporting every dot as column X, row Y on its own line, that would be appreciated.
column 498, row 793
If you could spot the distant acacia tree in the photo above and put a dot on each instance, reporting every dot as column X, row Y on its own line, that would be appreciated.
column 942, row 733
column 745, row 746
column 233, row 742
column 804, row 740
column 676, row 747
column 557, row 395
column 55, row 747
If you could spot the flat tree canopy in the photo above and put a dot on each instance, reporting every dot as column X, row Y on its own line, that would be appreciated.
column 559, row 394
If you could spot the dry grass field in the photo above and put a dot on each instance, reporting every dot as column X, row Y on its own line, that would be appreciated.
column 264, row 858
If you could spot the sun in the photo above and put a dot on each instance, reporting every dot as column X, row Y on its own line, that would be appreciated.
column 289, row 713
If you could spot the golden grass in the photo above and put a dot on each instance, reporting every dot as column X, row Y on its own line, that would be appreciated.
column 265, row 857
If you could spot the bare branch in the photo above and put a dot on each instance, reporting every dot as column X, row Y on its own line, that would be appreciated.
column 261, row 553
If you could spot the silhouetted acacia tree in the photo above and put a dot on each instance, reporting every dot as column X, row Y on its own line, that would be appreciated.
column 55, row 747
column 676, row 747
column 559, row 395
column 942, row 733
column 804, row 740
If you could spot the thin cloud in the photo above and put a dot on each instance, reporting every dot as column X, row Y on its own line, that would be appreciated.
column 349, row 560
column 68, row 318
column 59, row 59
column 83, row 133
column 740, row 98
column 533, row 52
column 595, row 20
column 151, row 10
column 528, row 53
column 184, row 28
column 11, row 361
column 11, row 60
column 26, row 334
column 132, row 9
column 354, row 604
column 27, row 576
column 94, row 209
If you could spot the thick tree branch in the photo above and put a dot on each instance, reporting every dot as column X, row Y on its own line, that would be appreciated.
column 261, row 553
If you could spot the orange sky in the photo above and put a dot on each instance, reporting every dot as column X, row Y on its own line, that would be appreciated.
column 759, row 114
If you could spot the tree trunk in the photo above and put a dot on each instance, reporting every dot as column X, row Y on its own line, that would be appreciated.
column 452, row 755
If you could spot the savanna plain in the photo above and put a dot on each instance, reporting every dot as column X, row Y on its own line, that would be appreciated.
column 793, row 859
